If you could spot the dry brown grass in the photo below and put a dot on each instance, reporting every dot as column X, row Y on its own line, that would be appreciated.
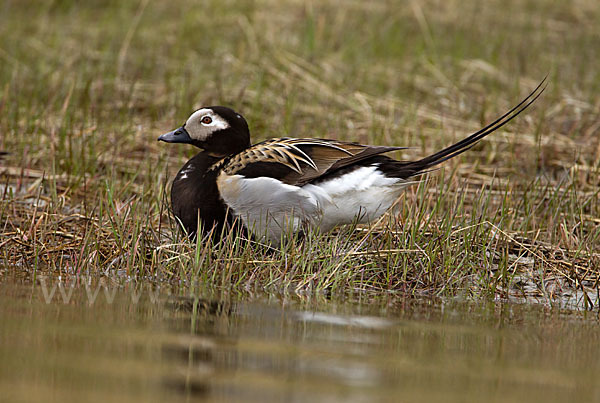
column 87, row 89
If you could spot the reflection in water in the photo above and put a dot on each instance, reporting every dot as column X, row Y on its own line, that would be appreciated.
column 206, row 322
column 143, row 344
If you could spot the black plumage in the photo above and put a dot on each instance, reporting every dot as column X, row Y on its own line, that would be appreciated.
column 196, row 196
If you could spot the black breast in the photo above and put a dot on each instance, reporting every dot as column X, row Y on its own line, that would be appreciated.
column 195, row 194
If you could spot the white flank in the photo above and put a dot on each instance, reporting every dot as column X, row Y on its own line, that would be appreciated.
column 364, row 194
column 270, row 208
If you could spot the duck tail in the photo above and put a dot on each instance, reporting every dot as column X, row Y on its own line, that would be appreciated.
column 423, row 165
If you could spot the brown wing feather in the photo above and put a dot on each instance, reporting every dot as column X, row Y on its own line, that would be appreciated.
column 297, row 161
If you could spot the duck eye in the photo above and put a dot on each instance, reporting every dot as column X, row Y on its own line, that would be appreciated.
column 206, row 120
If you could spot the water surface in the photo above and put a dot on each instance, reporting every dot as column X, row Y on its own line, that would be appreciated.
column 87, row 342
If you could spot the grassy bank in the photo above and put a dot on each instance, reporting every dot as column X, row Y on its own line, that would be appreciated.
column 86, row 89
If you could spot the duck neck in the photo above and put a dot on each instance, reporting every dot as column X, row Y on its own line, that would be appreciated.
column 194, row 195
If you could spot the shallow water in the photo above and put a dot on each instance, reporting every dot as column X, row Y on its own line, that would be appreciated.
column 87, row 342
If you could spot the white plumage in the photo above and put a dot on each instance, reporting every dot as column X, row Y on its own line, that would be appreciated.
column 270, row 208
column 363, row 195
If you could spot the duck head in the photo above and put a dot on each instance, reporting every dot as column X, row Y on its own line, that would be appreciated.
column 218, row 130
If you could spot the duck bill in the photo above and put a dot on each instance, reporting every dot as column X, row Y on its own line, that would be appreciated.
column 179, row 135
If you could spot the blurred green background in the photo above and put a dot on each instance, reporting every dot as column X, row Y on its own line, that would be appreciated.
column 90, row 77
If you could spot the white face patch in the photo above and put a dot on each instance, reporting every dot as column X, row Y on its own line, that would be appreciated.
column 203, row 123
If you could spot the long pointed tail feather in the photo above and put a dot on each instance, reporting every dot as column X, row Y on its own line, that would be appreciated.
column 432, row 160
